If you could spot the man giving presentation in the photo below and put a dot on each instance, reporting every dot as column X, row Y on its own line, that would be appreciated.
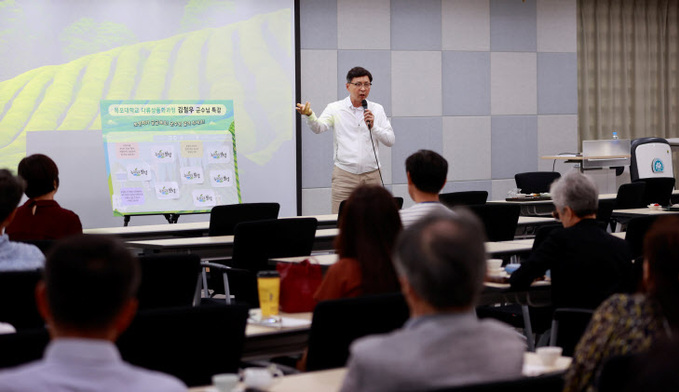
column 360, row 126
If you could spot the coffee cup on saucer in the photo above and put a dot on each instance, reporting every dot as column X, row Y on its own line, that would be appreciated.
column 494, row 265
column 225, row 382
column 548, row 355
column 261, row 378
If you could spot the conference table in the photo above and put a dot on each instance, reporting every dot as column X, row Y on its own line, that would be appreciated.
column 188, row 229
column 331, row 379
column 646, row 211
column 541, row 206
column 266, row 341
column 199, row 229
column 216, row 246
column 222, row 246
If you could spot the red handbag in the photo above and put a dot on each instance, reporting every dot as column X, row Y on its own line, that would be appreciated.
column 299, row 282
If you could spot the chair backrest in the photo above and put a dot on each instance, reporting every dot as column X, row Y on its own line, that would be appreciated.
column 397, row 199
column 499, row 220
column 17, row 299
column 223, row 219
column 651, row 157
column 191, row 343
column 535, row 182
column 337, row 323
column 636, row 231
column 658, row 190
column 255, row 243
column 465, row 198
column 605, row 212
column 168, row 280
column 630, row 196
column 544, row 383
column 568, row 326
column 22, row 347
column 543, row 233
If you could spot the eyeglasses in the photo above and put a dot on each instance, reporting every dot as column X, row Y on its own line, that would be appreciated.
column 359, row 85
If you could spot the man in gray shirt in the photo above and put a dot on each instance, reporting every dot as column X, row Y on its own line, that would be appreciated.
column 426, row 171
column 441, row 263
column 87, row 299
column 14, row 256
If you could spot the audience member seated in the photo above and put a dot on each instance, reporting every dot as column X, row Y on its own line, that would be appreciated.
column 626, row 324
column 14, row 256
column 87, row 299
column 366, row 239
column 587, row 264
column 441, row 263
column 41, row 217
column 426, row 172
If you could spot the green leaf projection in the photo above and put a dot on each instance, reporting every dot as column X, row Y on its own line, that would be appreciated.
column 233, row 62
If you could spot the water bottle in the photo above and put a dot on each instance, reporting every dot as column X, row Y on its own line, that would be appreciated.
column 615, row 135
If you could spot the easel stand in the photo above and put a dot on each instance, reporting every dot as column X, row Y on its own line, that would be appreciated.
column 171, row 218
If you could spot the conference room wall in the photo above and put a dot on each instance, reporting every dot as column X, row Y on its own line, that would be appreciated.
column 490, row 84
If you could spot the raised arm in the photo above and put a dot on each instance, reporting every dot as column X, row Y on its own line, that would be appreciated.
column 316, row 124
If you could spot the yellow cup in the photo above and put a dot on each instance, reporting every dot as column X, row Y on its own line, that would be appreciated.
column 268, row 287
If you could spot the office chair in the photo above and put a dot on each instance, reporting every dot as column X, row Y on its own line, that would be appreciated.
column 629, row 195
column 465, row 198
column 337, row 323
column 254, row 244
column 636, row 231
column 604, row 212
column 23, row 346
column 535, row 182
column 651, row 157
column 223, row 219
column 500, row 220
column 169, row 280
column 17, row 299
column 658, row 190
column 568, row 326
column 190, row 343
column 651, row 162
column 397, row 199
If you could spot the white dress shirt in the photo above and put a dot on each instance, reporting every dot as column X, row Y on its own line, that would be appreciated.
column 353, row 151
column 85, row 365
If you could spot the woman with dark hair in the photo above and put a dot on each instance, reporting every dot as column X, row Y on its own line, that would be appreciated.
column 628, row 324
column 368, row 229
column 41, row 217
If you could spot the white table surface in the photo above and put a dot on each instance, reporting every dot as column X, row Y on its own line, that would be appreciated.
column 331, row 380
column 643, row 211
column 199, row 227
column 205, row 242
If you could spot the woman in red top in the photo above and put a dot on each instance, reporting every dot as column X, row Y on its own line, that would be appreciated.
column 368, row 229
column 41, row 217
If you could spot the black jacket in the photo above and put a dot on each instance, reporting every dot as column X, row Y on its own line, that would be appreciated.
column 587, row 265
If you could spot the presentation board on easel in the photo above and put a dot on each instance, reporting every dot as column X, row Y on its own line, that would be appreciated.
column 167, row 157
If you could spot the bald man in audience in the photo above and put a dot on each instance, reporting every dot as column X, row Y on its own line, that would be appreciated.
column 441, row 262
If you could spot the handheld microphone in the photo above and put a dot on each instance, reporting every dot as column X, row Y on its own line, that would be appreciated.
column 364, row 103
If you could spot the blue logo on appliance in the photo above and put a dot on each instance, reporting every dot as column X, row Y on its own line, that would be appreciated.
column 657, row 166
